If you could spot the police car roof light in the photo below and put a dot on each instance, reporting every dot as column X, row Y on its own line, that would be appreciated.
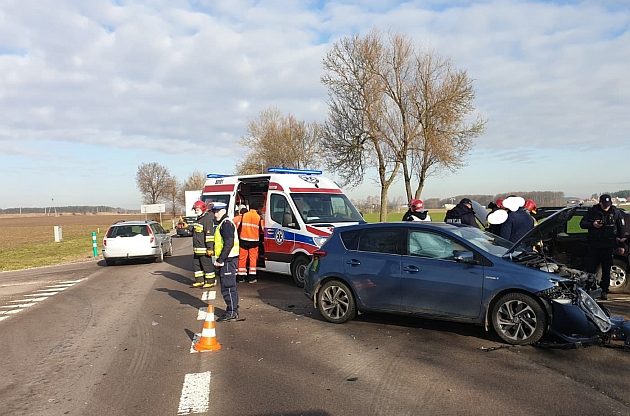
column 216, row 175
column 295, row 171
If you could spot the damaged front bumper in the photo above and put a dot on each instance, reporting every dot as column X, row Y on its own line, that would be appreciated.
column 577, row 320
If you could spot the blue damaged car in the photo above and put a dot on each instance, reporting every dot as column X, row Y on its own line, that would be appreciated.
column 459, row 273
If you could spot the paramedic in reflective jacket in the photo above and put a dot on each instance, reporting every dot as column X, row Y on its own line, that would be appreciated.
column 605, row 227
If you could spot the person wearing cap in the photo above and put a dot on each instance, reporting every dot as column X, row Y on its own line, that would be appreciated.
column 462, row 213
column 416, row 211
column 226, row 248
column 605, row 227
column 518, row 221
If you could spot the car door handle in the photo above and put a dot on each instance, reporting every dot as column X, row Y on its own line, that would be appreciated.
column 411, row 269
column 353, row 262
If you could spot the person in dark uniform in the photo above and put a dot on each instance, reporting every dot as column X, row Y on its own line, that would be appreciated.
column 226, row 249
column 462, row 213
column 495, row 221
column 416, row 211
column 605, row 227
column 518, row 222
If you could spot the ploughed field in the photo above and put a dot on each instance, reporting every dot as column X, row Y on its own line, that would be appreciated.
column 28, row 240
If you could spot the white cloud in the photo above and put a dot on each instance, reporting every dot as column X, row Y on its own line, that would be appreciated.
column 175, row 78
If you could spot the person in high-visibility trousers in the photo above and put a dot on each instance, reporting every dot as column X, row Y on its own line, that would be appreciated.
column 249, row 232
column 226, row 248
column 203, row 246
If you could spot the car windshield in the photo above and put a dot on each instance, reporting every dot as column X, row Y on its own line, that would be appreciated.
column 325, row 208
column 127, row 231
column 483, row 240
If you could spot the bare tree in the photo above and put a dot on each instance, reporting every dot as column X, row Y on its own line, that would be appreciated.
column 357, row 134
column 443, row 101
column 195, row 181
column 153, row 181
column 277, row 140
column 173, row 194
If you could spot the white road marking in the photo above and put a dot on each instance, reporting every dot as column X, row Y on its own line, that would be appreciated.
column 29, row 300
column 195, row 340
column 72, row 281
column 36, row 295
column 2, row 318
column 201, row 315
column 14, row 311
column 65, row 286
column 21, row 305
column 57, row 290
column 211, row 295
column 195, row 396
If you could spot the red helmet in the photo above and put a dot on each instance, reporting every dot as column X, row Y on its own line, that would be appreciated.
column 499, row 203
column 416, row 204
column 530, row 205
column 201, row 205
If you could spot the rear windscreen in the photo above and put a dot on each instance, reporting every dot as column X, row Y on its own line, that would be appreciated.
column 127, row 231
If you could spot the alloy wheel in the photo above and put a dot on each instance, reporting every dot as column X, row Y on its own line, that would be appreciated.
column 335, row 302
column 516, row 320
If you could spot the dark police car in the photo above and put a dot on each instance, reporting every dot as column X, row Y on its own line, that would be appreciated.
column 568, row 245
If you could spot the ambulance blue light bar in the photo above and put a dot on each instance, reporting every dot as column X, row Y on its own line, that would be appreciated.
column 216, row 175
column 295, row 171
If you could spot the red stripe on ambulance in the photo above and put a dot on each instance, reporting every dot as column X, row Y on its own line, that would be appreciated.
column 218, row 188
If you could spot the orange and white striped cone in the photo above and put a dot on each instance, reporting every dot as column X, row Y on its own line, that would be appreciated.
column 208, row 340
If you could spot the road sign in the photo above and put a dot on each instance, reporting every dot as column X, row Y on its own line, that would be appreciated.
column 152, row 208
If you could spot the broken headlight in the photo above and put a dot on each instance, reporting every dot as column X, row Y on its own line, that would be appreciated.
column 593, row 311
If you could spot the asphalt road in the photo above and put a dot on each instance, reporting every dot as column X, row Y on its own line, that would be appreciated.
column 99, row 340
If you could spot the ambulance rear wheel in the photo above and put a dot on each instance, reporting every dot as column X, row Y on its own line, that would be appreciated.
column 298, row 270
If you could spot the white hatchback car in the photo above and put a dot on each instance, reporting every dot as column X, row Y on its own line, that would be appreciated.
column 136, row 239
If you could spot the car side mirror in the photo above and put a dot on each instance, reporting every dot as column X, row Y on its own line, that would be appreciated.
column 463, row 256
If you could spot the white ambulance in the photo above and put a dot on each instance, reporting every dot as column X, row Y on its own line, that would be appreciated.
column 299, row 207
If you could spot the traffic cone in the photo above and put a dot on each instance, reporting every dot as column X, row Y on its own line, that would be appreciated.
column 208, row 340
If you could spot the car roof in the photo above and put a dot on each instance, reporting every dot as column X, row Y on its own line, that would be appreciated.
column 428, row 225
column 135, row 222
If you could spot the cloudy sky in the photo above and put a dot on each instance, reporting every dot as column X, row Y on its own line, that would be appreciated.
column 91, row 89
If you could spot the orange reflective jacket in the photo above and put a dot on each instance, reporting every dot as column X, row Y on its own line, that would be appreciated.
column 250, row 226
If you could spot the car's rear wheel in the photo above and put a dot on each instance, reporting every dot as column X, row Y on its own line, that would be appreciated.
column 336, row 303
column 518, row 319
column 160, row 256
column 298, row 270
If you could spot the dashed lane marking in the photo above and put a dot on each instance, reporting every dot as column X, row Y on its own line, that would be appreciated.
column 211, row 295
column 195, row 397
column 29, row 300
column 39, row 296
column 201, row 315
column 195, row 340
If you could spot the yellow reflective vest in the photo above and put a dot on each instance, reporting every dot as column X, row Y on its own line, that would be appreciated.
column 218, row 241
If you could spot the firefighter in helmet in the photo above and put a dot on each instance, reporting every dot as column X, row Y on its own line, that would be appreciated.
column 416, row 211
column 203, row 246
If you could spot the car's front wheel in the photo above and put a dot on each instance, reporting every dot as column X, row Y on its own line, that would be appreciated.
column 518, row 319
column 336, row 303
